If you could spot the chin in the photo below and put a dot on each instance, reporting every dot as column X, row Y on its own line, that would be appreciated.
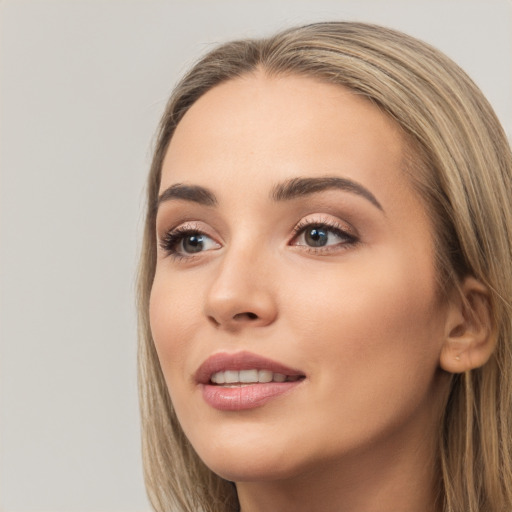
column 250, row 461
column 256, row 471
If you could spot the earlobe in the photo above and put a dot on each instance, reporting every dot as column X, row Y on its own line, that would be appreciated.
column 469, row 334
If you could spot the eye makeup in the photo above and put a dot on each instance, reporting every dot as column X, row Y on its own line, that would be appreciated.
column 314, row 234
column 323, row 235
column 187, row 241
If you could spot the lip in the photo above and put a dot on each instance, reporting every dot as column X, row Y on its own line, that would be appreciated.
column 240, row 361
column 249, row 396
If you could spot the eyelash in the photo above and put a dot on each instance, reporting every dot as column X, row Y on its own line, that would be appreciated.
column 172, row 238
column 329, row 226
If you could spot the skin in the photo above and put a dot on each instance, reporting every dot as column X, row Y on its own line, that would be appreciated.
column 363, row 321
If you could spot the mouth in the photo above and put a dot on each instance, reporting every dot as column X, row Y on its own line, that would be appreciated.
column 244, row 368
column 232, row 378
column 241, row 381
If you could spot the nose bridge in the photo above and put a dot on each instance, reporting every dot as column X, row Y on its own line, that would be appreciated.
column 241, row 291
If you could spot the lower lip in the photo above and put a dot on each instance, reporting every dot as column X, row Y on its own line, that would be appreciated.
column 249, row 396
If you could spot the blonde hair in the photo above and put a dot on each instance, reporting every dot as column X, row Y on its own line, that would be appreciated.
column 461, row 164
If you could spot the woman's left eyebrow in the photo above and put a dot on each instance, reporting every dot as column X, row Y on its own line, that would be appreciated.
column 303, row 186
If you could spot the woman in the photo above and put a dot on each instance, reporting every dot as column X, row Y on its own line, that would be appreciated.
column 326, row 282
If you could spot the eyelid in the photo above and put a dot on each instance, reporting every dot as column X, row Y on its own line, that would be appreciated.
column 325, row 220
column 170, row 240
column 339, row 228
column 173, row 236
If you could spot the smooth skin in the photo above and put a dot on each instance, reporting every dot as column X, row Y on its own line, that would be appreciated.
column 360, row 315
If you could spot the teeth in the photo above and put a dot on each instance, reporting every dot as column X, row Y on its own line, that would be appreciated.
column 265, row 376
column 218, row 378
column 250, row 377
column 231, row 376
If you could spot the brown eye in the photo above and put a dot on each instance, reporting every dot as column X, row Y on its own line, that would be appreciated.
column 187, row 242
column 316, row 236
column 193, row 243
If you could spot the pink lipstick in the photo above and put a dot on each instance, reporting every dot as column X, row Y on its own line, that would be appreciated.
column 241, row 381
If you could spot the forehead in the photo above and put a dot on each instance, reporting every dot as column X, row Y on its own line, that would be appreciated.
column 258, row 130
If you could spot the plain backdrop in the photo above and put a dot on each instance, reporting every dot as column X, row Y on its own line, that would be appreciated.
column 82, row 86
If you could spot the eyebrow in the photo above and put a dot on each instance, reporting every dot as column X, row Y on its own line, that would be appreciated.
column 288, row 190
column 192, row 193
column 299, row 187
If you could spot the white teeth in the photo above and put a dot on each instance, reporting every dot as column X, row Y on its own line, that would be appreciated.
column 265, row 376
column 231, row 376
column 247, row 376
column 218, row 378
column 250, row 377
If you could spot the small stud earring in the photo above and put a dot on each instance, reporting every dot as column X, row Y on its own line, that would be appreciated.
column 457, row 358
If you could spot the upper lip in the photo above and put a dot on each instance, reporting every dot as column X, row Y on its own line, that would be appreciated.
column 240, row 361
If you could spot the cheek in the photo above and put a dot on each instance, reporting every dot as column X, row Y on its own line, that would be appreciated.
column 173, row 319
column 372, row 344
column 372, row 322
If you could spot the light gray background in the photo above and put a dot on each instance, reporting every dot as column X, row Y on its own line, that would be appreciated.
column 82, row 86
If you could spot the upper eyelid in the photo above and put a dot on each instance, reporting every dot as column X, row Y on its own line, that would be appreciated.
column 329, row 222
column 184, row 226
column 325, row 219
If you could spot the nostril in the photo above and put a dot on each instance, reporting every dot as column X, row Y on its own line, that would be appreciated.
column 213, row 321
column 249, row 315
column 238, row 318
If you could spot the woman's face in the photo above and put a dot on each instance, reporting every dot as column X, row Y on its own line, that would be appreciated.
column 293, row 248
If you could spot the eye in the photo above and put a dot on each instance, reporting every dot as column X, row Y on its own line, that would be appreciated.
column 322, row 235
column 185, row 242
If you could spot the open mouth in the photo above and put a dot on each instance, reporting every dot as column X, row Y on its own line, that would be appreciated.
column 243, row 381
column 228, row 378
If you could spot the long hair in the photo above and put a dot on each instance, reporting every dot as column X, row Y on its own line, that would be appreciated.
column 461, row 165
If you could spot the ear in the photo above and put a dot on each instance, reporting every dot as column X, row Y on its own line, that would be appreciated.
column 469, row 334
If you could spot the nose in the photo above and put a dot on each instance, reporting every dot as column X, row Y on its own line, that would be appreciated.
column 241, row 293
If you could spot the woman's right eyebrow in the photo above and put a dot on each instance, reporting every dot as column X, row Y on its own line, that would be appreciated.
column 194, row 193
